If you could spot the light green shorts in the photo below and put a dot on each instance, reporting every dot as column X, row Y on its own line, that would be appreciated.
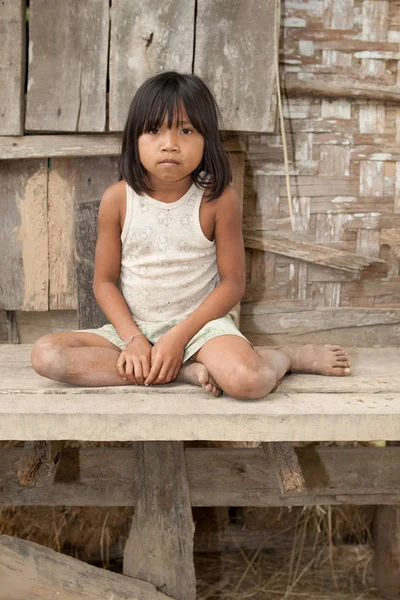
column 153, row 331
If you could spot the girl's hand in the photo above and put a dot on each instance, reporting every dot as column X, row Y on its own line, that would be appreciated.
column 134, row 363
column 166, row 358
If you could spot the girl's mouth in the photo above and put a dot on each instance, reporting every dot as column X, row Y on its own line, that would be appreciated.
column 169, row 163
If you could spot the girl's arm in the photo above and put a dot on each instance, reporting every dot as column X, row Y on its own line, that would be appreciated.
column 107, row 263
column 231, row 267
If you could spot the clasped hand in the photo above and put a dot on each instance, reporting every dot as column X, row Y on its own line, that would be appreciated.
column 142, row 363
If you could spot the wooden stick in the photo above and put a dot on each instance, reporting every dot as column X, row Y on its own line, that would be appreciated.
column 38, row 465
column 285, row 464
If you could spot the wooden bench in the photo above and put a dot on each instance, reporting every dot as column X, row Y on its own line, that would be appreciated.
column 163, row 480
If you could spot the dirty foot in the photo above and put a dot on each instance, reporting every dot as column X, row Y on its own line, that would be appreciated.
column 197, row 374
column 321, row 359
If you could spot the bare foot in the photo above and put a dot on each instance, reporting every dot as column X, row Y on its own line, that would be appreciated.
column 321, row 359
column 197, row 374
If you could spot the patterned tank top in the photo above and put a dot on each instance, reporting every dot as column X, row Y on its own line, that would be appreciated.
column 168, row 266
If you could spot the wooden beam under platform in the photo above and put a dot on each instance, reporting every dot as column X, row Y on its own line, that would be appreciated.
column 216, row 476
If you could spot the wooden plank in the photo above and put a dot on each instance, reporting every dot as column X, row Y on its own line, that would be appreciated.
column 258, row 318
column 43, row 146
column 12, row 67
column 373, row 369
column 61, row 212
column 141, row 415
column 31, row 325
column 23, row 231
column 88, row 178
column 67, row 73
column 28, row 570
column 159, row 548
column 285, row 465
column 341, row 85
column 244, row 95
column 217, row 477
column 309, row 252
column 146, row 38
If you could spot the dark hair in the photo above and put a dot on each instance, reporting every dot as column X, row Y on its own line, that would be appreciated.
column 163, row 95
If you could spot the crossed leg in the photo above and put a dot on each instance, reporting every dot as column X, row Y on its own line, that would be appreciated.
column 245, row 373
column 226, row 363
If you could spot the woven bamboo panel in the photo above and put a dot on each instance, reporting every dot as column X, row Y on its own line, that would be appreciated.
column 344, row 162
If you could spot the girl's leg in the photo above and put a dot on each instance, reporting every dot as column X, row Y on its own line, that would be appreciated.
column 77, row 358
column 245, row 373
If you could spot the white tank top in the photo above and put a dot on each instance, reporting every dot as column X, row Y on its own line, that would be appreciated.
column 168, row 266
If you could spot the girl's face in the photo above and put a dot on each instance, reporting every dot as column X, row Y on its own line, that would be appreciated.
column 171, row 154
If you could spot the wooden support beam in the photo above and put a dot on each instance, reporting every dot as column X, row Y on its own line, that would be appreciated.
column 339, row 86
column 159, row 548
column 309, row 252
column 44, row 146
column 285, row 464
column 217, row 477
column 39, row 463
column 29, row 571
column 387, row 551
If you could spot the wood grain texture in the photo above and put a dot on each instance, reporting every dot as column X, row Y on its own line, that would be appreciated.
column 314, row 253
column 285, row 465
column 43, row 146
column 67, row 66
column 146, row 38
column 12, row 66
column 23, row 231
column 38, row 465
column 217, row 477
column 387, row 551
column 244, row 93
column 159, row 548
column 88, row 179
column 29, row 571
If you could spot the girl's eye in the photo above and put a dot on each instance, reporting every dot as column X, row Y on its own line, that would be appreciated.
column 187, row 131
column 153, row 131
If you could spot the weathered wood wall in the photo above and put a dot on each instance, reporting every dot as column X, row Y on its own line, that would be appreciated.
column 336, row 277
column 340, row 69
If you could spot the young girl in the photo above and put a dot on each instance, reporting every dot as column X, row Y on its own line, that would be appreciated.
column 170, row 231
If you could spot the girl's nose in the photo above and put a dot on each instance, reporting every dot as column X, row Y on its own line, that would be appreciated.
column 169, row 140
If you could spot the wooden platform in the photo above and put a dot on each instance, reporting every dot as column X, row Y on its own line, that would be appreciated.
column 163, row 480
column 364, row 406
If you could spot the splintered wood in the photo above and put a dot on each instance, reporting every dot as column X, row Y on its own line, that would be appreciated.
column 285, row 464
column 38, row 465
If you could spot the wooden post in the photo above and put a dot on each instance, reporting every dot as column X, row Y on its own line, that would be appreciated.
column 387, row 548
column 159, row 549
column 387, row 551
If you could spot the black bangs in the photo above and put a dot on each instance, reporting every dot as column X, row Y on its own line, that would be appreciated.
column 164, row 96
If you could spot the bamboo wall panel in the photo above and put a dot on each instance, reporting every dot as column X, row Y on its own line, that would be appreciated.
column 235, row 58
column 23, row 234
column 345, row 175
column 12, row 66
column 67, row 70
column 146, row 38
